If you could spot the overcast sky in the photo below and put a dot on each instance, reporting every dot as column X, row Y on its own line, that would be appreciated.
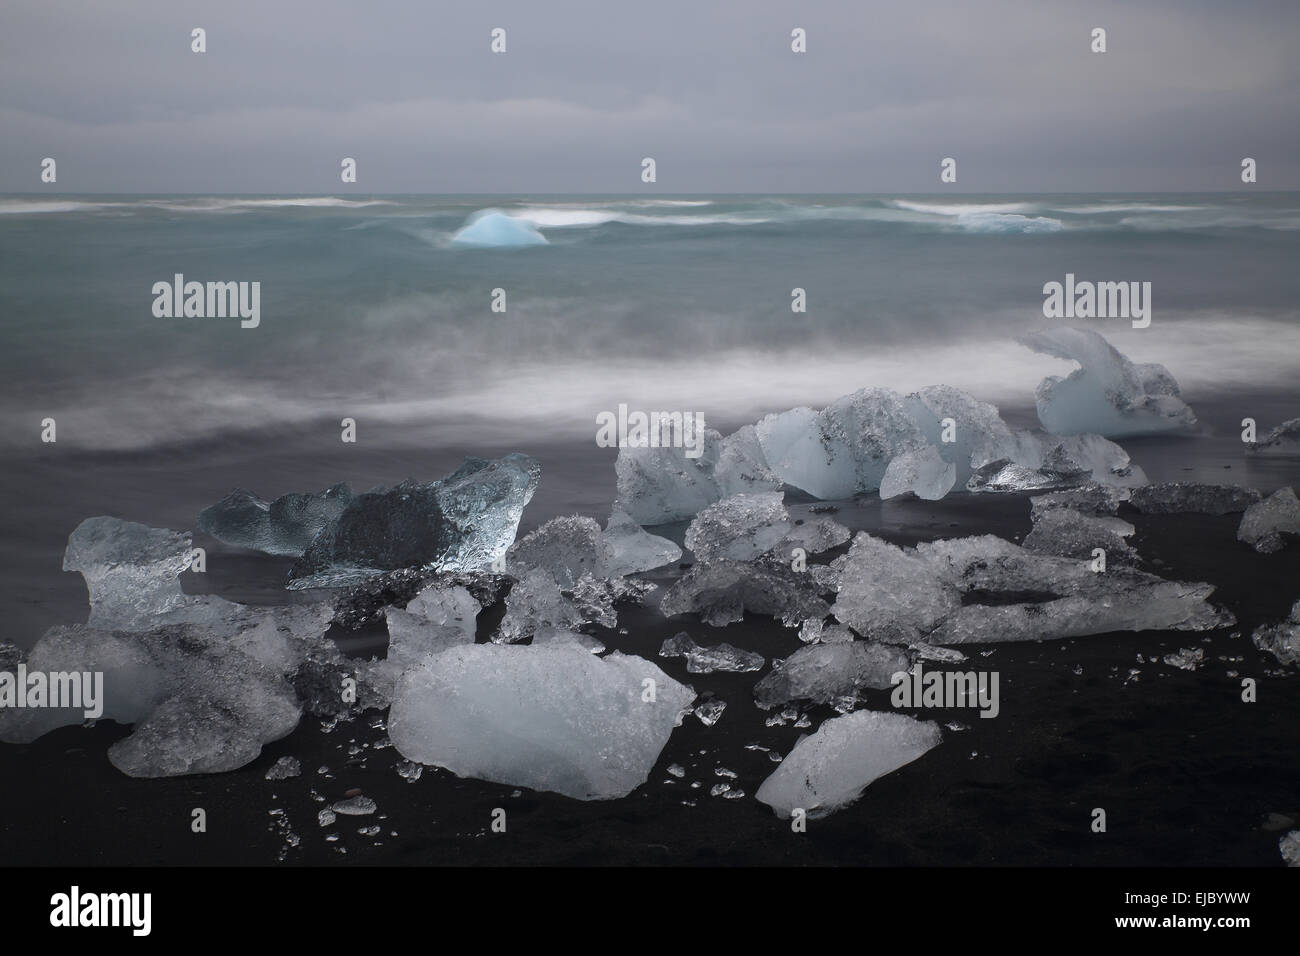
column 708, row 88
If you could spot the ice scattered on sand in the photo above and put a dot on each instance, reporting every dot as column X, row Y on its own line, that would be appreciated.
column 1266, row 523
column 822, row 672
column 1108, row 394
column 1178, row 497
column 829, row 769
column 706, row 660
column 464, row 521
column 286, row 526
column 739, row 528
column 550, row 717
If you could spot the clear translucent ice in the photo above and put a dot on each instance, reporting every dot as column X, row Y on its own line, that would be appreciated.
column 549, row 717
column 1107, row 394
column 829, row 769
column 1266, row 523
column 821, row 673
column 206, row 682
column 632, row 549
column 286, row 526
column 845, row 448
column 461, row 522
column 740, row 527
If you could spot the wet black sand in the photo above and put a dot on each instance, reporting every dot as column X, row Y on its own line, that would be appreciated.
column 1185, row 770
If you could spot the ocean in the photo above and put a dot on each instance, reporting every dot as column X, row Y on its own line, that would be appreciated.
column 373, row 308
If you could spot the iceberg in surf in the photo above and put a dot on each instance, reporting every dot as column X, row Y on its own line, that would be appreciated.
column 548, row 716
column 464, row 521
column 1107, row 394
column 492, row 228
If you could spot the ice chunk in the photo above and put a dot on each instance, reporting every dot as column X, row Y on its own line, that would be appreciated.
column 286, row 768
column 739, row 528
column 721, row 592
column 366, row 603
column 130, row 570
column 1071, row 534
column 1289, row 847
column 464, row 521
column 1281, row 640
column 1020, row 595
column 550, row 717
column 1103, row 460
column 813, row 537
column 1107, row 394
column 742, row 467
column 889, row 593
column 437, row 618
column 1265, row 523
column 286, row 526
column 1142, row 605
column 200, row 704
column 549, row 635
column 923, row 472
column 979, row 435
column 1176, row 497
column 533, row 603
column 1283, row 440
column 823, row 672
column 709, row 710
column 567, row 547
column 632, row 549
column 1005, row 475
column 658, row 485
column 706, row 660
column 830, row 769
column 1092, row 498
column 492, row 228
column 843, row 449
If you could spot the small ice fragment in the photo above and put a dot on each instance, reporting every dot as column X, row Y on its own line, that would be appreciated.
column 284, row 769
